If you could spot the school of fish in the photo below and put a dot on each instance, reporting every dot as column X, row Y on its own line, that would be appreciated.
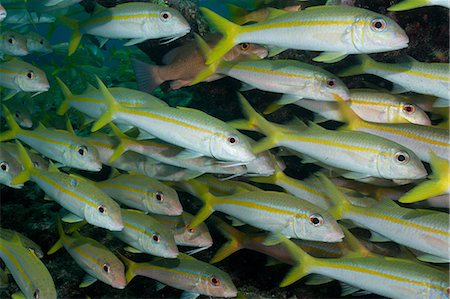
column 113, row 147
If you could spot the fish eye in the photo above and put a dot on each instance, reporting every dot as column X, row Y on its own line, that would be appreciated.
column 316, row 219
column 401, row 157
column 41, row 42
column 190, row 230
column 331, row 83
column 378, row 24
column 159, row 196
column 165, row 15
column 11, row 40
column 245, row 46
column 101, row 209
column 82, row 150
column 409, row 109
column 233, row 140
column 17, row 115
column 156, row 238
column 214, row 281
column 106, row 268
column 36, row 294
column 4, row 166
column 30, row 75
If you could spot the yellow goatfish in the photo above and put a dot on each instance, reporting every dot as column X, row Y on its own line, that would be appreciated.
column 337, row 30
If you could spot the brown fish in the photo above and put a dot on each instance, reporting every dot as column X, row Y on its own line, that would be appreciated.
column 182, row 64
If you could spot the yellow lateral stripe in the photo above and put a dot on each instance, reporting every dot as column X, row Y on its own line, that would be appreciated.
column 72, row 244
column 270, row 72
column 171, row 270
column 302, row 186
column 13, row 258
column 335, row 144
column 122, row 187
column 9, row 71
column 374, row 103
column 260, row 207
column 135, row 228
column 63, row 190
column 100, row 144
column 404, row 133
column 403, row 222
column 378, row 273
column 46, row 139
column 109, row 18
column 397, row 69
column 304, row 23
column 172, row 121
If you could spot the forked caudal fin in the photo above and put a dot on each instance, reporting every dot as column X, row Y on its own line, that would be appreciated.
column 202, row 192
column 234, row 236
column 255, row 120
column 229, row 31
column 76, row 35
column 14, row 128
column 65, row 105
column 112, row 106
column 439, row 183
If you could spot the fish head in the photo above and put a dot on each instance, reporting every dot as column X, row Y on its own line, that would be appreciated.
column 32, row 79
column 3, row 13
column 317, row 225
column 217, row 283
column 372, row 33
column 414, row 114
column 163, row 201
column 159, row 242
column 41, row 288
column 83, row 155
column 328, row 87
column 230, row 145
column 37, row 43
column 21, row 114
column 14, row 44
column 104, row 212
column 170, row 24
column 398, row 162
column 245, row 51
column 196, row 237
column 9, row 168
column 109, row 269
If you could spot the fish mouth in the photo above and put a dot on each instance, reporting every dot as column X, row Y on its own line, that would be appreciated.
column 334, row 237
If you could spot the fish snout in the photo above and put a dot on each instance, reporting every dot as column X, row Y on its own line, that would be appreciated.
column 333, row 237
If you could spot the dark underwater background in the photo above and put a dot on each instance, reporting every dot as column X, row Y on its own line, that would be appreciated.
column 25, row 210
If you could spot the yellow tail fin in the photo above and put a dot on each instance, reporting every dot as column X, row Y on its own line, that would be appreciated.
column 439, row 183
column 202, row 192
column 58, row 245
column 14, row 128
column 234, row 243
column 254, row 119
column 123, row 145
column 27, row 164
column 130, row 273
column 304, row 262
column 112, row 107
column 65, row 105
column 76, row 35
column 229, row 31
column 340, row 202
column 353, row 120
